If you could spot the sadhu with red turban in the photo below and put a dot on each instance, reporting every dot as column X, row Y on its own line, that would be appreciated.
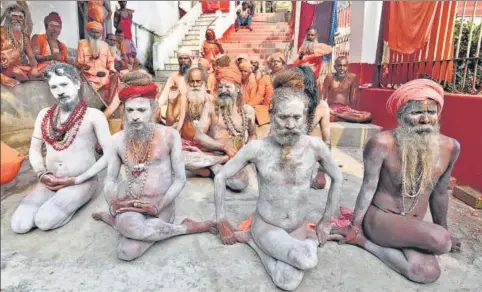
column 418, row 89
column 148, row 91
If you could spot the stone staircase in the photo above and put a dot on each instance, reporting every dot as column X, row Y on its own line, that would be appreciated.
column 192, row 41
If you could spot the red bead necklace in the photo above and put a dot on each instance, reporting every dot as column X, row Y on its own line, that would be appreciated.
column 61, row 137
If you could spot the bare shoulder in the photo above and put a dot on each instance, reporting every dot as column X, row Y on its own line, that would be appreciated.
column 95, row 113
column 117, row 140
column 42, row 113
column 352, row 76
column 383, row 139
column 167, row 133
column 449, row 145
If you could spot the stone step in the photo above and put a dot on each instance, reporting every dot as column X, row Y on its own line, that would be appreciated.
column 191, row 43
column 192, row 37
column 254, row 44
column 257, row 51
column 350, row 134
column 163, row 75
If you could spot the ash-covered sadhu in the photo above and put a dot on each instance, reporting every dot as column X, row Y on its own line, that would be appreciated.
column 407, row 170
column 141, row 207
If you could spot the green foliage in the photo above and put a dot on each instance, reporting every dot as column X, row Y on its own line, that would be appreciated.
column 465, row 66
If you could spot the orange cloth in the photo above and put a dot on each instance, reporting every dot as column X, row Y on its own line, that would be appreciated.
column 410, row 23
column 246, row 224
column 10, row 163
column 245, row 65
column 249, row 89
column 315, row 60
column 276, row 55
column 94, row 25
column 418, row 89
column 230, row 74
column 95, row 10
column 41, row 41
column 210, row 51
column 262, row 100
column 104, row 63
column 175, row 86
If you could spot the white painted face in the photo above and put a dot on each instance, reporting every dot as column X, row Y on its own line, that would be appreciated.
column 138, row 113
column 288, row 121
column 64, row 90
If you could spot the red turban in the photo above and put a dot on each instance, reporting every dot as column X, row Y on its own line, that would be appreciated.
column 418, row 89
column 94, row 25
column 147, row 91
column 53, row 16
column 230, row 74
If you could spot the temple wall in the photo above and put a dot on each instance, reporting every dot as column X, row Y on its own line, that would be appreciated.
column 461, row 119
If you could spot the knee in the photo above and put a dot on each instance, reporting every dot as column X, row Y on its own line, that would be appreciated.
column 424, row 273
column 440, row 241
column 130, row 230
column 287, row 279
column 47, row 218
column 128, row 252
column 237, row 184
column 21, row 224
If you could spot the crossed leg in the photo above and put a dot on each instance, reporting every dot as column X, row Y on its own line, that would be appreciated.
column 403, row 243
column 284, row 256
column 137, row 233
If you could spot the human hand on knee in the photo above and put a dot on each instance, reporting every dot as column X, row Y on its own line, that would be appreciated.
column 135, row 206
column 49, row 180
column 226, row 232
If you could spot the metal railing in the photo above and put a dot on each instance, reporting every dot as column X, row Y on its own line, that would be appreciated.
column 451, row 55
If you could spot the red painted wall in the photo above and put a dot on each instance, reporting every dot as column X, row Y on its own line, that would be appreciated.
column 461, row 119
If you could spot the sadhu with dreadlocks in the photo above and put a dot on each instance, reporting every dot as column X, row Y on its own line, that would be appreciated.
column 303, row 78
column 16, row 58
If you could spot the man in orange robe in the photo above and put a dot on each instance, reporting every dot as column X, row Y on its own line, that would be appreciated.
column 248, row 81
column 260, row 103
column 46, row 47
column 95, row 10
column 211, row 82
column 312, row 52
column 97, row 66
column 16, row 57
column 211, row 47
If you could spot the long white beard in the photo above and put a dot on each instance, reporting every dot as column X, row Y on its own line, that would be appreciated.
column 113, row 51
column 140, row 135
column 196, row 95
column 95, row 46
column 309, row 46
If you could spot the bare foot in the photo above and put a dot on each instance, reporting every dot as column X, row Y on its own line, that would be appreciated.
column 105, row 217
column 197, row 227
column 243, row 236
column 359, row 238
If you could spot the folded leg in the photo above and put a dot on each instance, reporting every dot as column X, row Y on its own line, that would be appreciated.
column 23, row 217
column 60, row 208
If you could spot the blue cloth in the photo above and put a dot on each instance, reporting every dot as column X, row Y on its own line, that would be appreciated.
column 333, row 27
column 245, row 21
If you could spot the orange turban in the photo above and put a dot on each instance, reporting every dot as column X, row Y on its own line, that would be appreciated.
column 230, row 74
column 276, row 55
column 147, row 91
column 245, row 65
column 94, row 25
column 418, row 89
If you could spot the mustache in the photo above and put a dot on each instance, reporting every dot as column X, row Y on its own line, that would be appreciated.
column 423, row 128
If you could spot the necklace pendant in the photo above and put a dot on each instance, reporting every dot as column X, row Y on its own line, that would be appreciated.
column 136, row 173
column 237, row 142
column 403, row 214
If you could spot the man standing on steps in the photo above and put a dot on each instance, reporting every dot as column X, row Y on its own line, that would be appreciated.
column 123, row 21
column 244, row 17
column 176, row 84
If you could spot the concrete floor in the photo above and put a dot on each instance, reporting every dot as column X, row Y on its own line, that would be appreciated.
column 81, row 255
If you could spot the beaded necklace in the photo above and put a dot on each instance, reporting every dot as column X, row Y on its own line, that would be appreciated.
column 60, row 137
column 238, row 136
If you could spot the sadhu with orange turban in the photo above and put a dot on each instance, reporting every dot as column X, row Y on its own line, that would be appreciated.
column 230, row 74
column 94, row 25
column 248, row 81
column 418, row 89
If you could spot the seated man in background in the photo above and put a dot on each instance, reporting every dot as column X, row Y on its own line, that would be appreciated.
column 284, row 161
column 142, row 207
column 225, row 126
column 17, row 59
column 96, row 64
column 120, row 59
column 175, row 85
column 341, row 90
column 69, row 130
column 407, row 170
column 46, row 47
column 244, row 17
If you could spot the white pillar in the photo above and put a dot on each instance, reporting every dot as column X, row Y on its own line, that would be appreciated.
column 365, row 27
column 296, row 34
